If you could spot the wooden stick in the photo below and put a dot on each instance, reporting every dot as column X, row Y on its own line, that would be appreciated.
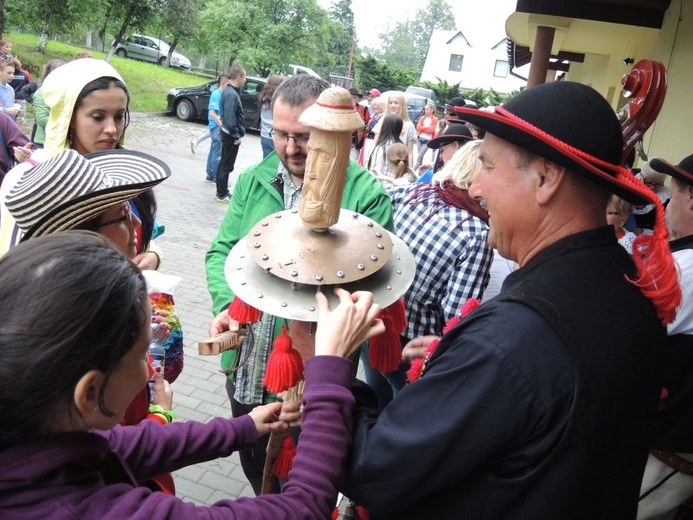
column 292, row 395
column 219, row 343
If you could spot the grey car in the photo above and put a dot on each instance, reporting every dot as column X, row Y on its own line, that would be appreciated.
column 153, row 50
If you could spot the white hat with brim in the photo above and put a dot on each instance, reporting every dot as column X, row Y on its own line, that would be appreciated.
column 69, row 189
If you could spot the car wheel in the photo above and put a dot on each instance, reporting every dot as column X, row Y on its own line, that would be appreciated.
column 122, row 53
column 162, row 61
column 185, row 110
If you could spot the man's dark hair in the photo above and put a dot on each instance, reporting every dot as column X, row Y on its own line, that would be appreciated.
column 236, row 71
column 298, row 90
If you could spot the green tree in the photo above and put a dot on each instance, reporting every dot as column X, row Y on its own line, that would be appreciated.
column 372, row 72
column 340, row 40
column 265, row 35
column 436, row 15
column 179, row 17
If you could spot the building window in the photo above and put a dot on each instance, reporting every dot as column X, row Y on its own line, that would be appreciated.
column 501, row 69
column 456, row 62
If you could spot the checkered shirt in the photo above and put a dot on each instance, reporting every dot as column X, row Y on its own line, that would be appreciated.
column 249, row 387
column 453, row 259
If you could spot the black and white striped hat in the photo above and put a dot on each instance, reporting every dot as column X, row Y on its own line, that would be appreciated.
column 70, row 189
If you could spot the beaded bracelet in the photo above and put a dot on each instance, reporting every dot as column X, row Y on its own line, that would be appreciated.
column 162, row 412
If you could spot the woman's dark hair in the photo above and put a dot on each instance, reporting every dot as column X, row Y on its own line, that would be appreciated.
column 265, row 97
column 391, row 129
column 145, row 204
column 104, row 83
column 70, row 303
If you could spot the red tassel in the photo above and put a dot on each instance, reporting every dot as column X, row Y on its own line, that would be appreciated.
column 285, row 458
column 335, row 514
column 284, row 366
column 385, row 351
column 242, row 312
column 363, row 513
column 415, row 370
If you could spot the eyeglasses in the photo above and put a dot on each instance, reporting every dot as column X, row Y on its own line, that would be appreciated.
column 651, row 184
column 283, row 137
column 127, row 216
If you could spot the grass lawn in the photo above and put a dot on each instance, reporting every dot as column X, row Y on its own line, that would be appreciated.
column 148, row 83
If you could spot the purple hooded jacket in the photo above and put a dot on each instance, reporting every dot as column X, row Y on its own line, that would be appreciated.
column 79, row 475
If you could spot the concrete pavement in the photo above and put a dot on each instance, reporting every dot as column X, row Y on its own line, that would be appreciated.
column 191, row 215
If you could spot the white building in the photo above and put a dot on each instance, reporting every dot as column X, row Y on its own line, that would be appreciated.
column 453, row 58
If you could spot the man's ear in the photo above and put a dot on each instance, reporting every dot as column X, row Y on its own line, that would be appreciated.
column 689, row 190
column 549, row 178
column 86, row 396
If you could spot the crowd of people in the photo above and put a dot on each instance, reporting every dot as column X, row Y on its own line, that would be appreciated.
column 551, row 399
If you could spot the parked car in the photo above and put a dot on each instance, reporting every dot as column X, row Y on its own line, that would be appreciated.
column 415, row 103
column 190, row 103
column 153, row 50
column 421, row 91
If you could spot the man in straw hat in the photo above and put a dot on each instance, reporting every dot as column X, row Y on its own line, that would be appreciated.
column 668, row 479
column 540, row 402
column 273, row 185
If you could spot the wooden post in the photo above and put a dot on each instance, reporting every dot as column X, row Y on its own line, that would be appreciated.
column 540, row 56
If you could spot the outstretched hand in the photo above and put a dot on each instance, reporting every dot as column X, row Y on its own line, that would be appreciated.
column 416, row 348
column 266, row 419
column 342, row 330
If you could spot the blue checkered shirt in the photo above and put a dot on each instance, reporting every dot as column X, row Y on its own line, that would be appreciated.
column 453, row 258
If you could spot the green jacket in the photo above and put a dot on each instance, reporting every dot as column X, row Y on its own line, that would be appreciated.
column 255, row 197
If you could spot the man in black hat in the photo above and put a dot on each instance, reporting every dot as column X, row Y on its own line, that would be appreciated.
column 454, row 138
column 672, row 443
column 540, row 402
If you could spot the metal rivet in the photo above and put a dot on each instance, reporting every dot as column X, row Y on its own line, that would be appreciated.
column 374, row 257
column 260, row 296
column 398, row 257
column 294, row 211
column 283, row 304
column 360, row 267
column 311, row 308
column 243, row 283
column 398, row 271
column 318, row 277
column 257, row 245
column 242, row 256
column 265, row 223
column 370, row 224
column 278, row 215
column 380, row 246
column 256, row 233
column 340, row 274
column 389, row 287
column 355, row 215
column 294, row 272
column 379, row 234
column 265, row 256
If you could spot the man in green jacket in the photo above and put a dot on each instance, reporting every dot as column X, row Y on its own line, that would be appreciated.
column 273, row 185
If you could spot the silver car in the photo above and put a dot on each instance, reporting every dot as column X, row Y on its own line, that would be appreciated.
column 153, row 50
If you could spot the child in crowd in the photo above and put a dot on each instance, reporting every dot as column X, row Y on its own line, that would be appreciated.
column 617, row 213
column 6, row 91
column 398, row 166
column 390, row 131
column 74, row 343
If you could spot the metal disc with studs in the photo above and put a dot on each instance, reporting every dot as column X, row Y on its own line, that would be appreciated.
column 280, row 264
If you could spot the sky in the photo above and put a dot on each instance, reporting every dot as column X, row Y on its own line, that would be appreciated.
column 481, row 21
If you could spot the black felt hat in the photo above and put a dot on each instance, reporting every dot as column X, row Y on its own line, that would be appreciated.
column 454, row 133
column 567, row 123
column 683, row 172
